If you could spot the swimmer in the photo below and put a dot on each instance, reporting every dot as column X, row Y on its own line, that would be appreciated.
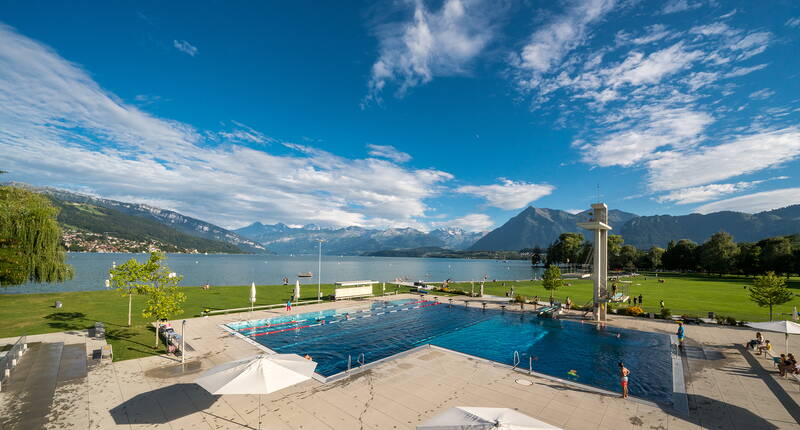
column 307, row 357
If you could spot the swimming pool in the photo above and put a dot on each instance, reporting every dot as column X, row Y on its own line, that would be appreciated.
column 560, row 348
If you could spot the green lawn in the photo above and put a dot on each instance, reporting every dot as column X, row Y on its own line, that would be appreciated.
column 682, row 294
column 35, row 313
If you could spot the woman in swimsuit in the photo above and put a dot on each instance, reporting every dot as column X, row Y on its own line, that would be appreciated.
column 623, row 373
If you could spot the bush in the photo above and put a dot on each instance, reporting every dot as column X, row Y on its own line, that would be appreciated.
column 665, row 313
column 634, row 311
column 520, row 299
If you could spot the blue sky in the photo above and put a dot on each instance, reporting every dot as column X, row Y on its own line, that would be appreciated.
column 405, row 113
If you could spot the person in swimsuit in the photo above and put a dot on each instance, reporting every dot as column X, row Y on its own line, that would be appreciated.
column 681, row 334
column 623, row 376
column 289, row 305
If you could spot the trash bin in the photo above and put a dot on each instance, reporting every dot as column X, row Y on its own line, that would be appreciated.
column 58, row 304
column 711, row 315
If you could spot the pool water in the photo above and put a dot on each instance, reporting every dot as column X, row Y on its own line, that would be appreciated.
column 564, row 349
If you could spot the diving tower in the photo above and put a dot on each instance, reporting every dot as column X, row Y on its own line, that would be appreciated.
column 599, row 225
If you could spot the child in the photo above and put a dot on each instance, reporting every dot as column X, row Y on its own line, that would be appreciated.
column 289, row 305
column 623, row 374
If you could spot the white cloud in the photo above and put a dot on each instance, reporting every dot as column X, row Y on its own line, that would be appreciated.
column 657, row 127
column 574, row 211
column 753, row 203
column 762, row 94
column 508, row 194
column 793, row 22
column 674, row 6
column 185, row 47
column 57, row 127
column 672, row 170
column 549, row 44
column 432, row 43
column 639, row 69
column 704, row 193
column 470, row 222
column 389, row 152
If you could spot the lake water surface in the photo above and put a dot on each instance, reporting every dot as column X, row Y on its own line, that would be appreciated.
column 91, row 270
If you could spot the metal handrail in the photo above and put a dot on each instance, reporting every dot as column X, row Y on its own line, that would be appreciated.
column 349, row 362
column 361, row 359
column 516, row 359
column 8, row 361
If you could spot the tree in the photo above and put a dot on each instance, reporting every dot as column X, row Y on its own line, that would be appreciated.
column 164, row 301
column 653, row 257
column 615, row 243
column 770, row 290
column 133, row 277
column 680, row 255
column 718, row 254
column 776, row 254
column 536, row 255
column 748, row 261
column 551, row 280
column 627, row 257
column 30, row 239
column 565, row 249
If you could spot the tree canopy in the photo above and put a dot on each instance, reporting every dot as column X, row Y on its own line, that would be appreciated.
column 551, row 280
column 30, row 239
column 770, row 290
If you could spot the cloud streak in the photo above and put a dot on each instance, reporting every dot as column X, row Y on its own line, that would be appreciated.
column 58, row 127
column 508, row 194
column 185, row 47
column 432, row 43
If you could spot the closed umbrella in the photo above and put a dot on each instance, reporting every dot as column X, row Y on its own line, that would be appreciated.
column 475, row 418
column 785, row 327
column 297, row 290
column 252, row 295
column 794, row 314
column 260, row 374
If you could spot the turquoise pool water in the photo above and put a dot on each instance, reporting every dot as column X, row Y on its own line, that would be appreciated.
column 564, row 349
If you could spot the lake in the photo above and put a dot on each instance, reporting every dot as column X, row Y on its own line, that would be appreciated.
column 91, row 270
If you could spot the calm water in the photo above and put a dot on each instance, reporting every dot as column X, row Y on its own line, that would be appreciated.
column 91, row 270
column 565, row 349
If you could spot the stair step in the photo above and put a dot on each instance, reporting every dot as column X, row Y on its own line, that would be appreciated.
column 73, row 363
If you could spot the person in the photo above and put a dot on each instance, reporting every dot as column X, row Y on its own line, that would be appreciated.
column 661, row 304
column 568, row 302
column 765, row 348
column 623, row 376
column 535, row 302
column 640, row 300
column 634, row 301
column 783, row 364
column 758, row 341
column 681, row 334
column 307, row 357
column 289, row 305
column 285, row 281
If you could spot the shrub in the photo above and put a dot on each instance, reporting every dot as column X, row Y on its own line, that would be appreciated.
column 634, row 311
column 520, row 299
column 665, row 313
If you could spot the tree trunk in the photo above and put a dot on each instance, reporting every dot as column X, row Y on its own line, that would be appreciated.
column 770, row 312
column 130, row 299
column 156, row 335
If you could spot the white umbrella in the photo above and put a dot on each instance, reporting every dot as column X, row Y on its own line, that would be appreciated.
column 252, row 295
column 297, row 290
column 260, row 374
column 474, row 418
column 785, row 327
column 794, row 314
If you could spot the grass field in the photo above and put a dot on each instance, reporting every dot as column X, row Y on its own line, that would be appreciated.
column 35, row 313
column 682, row 293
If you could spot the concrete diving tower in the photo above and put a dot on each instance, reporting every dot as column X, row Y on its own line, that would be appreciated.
column 599, row 225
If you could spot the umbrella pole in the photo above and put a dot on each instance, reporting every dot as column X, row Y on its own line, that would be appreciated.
column 787, row 343
column 259, row 412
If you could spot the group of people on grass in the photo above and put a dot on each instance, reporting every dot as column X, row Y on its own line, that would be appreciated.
column 786, row 362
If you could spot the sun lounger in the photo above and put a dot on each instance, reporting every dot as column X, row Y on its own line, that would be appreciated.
column 106, row 352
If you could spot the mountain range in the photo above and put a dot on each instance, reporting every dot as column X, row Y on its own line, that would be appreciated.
column 540, row 227
column 531, row 227
column 180, row 226
column 284, row 239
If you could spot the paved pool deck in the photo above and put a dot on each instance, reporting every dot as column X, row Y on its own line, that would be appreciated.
column 728, row 388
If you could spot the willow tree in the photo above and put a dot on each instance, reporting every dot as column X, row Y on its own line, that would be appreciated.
column 30, row 239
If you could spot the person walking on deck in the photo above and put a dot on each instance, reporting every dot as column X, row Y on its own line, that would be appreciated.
column 289, row 305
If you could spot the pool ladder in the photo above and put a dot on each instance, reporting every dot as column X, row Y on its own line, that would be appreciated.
column 516, row 360
column 361, row 359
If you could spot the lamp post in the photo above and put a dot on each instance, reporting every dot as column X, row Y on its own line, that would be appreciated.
column 319, row 271
column 183, row 341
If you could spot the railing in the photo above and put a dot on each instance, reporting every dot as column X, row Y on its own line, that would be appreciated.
column 259, row 307
column 516, row 359
column 361, row 359
column 8, row 361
